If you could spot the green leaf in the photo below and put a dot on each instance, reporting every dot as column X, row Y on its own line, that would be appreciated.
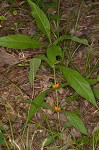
column 1, row 138
column 15, row 12
column 46, row 105
column 96, row 93
column 34, row 65
column 41, row 19
column 49, row 140
column 11, row 1
column 79, row 40
column 43, row 57
column 92, row 81
column 79, row 84
column 66, row 125
column 36, row 103
column 84, row 140
column 66, row 37
column 76, row 122
column 73, row 38
column 3, row 18
column 19, row 41
column 52, row 52
column 73, row 97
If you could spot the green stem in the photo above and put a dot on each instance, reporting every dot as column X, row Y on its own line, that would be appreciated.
column 11, row 129
column 57, row 102
column 56, row 89
column 92, row 70
column 78, row 16
column 8, row 148
column 87, row 67
column 54, row 75
column 68, row 23
column 58, row 14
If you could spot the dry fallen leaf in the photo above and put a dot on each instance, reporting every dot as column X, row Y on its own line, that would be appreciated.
column 7, row 59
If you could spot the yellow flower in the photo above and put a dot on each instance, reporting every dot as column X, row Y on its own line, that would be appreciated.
column 56, row 108
column 56, row 86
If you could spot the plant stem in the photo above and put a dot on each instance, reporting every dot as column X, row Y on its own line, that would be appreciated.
column 58, row 18
column 87, row 67
column 54, row 75
column 92, row 70
column 56, row 90
column 11, row 129
column 78, row 16
column 6, row 143
column 55, row 83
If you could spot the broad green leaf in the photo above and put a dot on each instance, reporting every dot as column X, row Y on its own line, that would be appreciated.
column 96, row 93
column 37, row 103
column 76, row 122
column 73, row 38
column 41, row 19
column 79, row 84
column 34, row 65
column 19, row 41
column 43, row 57
column 52, row 52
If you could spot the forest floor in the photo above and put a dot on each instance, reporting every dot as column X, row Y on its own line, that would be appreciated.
column 15, row 88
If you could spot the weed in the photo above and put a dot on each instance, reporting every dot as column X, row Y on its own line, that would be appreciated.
column 54, row 56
